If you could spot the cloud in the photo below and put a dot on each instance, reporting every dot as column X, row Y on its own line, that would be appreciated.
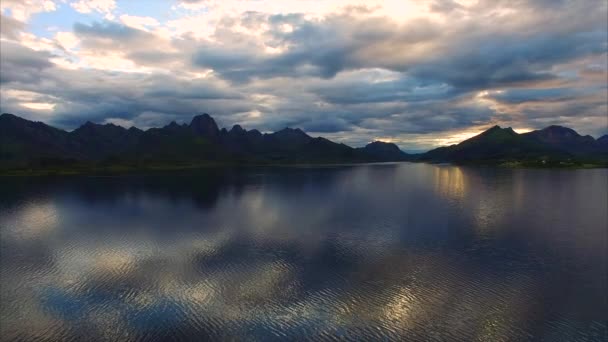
column 108, row 32
column 522, row 95
column 137, row 22
column 115, row 46
column 350, row 70
column 67, row 40
column 10, row 28
column 22, row 64
column 22, row 10
column 102, row 6
column 445, row 6
column 309, row 47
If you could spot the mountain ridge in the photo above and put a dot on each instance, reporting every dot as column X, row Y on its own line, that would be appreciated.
column 25, row 143
column 29, row 144
column 551, row 146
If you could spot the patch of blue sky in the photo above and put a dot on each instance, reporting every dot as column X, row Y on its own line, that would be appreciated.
column 160, row 10
column 7, row 11
column 47, row 24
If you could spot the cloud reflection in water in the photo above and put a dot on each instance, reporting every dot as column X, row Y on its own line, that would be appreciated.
column 378, row 252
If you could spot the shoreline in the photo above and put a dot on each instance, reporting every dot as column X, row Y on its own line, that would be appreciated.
column 119, row 170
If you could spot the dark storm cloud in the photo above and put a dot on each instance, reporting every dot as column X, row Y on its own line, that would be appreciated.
column 107, row 35
column 509, row 60
column 241, row 66
column 514, row 96
column 99, row 95
column 324, row 48
column 429, row 117
column 320, row 48
column 326, row 125
column 405, row 89
column 314, row 121
column 159, row 98
column 22, row 64
column 96, row 95
column 141, row 47
column 166, row 87
column 464, row 59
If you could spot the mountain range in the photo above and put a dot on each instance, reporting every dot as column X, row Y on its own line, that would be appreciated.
column 551, row 146
column 29, row 144
column 26, row 144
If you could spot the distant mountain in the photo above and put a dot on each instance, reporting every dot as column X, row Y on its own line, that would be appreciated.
column 35, row 145
column 566, row 139
column 383, row 151
column 22, row 140
column 603, row 141
column 30, row 144
column 92, row 141
column 554, row 145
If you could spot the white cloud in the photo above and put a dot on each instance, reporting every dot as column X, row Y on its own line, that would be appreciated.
column 141, row 23
column 22, row 10
column 34, row 42
column 397, row 9
column 112, row 61
column 67, row 40
column 102, row 6
column 201, row 17
column 44, row 106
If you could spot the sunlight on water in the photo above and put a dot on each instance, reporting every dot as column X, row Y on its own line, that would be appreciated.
column 449, row 181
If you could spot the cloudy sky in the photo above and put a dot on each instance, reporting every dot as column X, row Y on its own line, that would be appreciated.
column 419, row 73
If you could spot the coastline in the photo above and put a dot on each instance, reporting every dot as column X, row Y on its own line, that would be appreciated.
column 118, row 170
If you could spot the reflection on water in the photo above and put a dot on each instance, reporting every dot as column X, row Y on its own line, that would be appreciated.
column 450, row 182
column 372, row 252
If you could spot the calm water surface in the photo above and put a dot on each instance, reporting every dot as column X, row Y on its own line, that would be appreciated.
column 372, row 252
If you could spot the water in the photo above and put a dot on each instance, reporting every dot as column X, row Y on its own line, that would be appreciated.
column 372, row 252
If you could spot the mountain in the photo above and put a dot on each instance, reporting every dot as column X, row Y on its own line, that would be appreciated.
column 30, row 144
column 603, row 141
column 554, row 145
column 204, row 125
column 565, row 139
column 93, row 141
column 379, row 150
column 22, row 139
column 34, row 145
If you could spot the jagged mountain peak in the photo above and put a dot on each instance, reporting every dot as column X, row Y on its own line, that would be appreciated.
column 496, row 129
column 175, row 127
column 381, row 143
column 205, row 125
column 29, row 141
column 89, row 127
column 237, row 129
column 291, row 131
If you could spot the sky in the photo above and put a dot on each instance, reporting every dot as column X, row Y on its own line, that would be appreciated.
column 420, row 74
